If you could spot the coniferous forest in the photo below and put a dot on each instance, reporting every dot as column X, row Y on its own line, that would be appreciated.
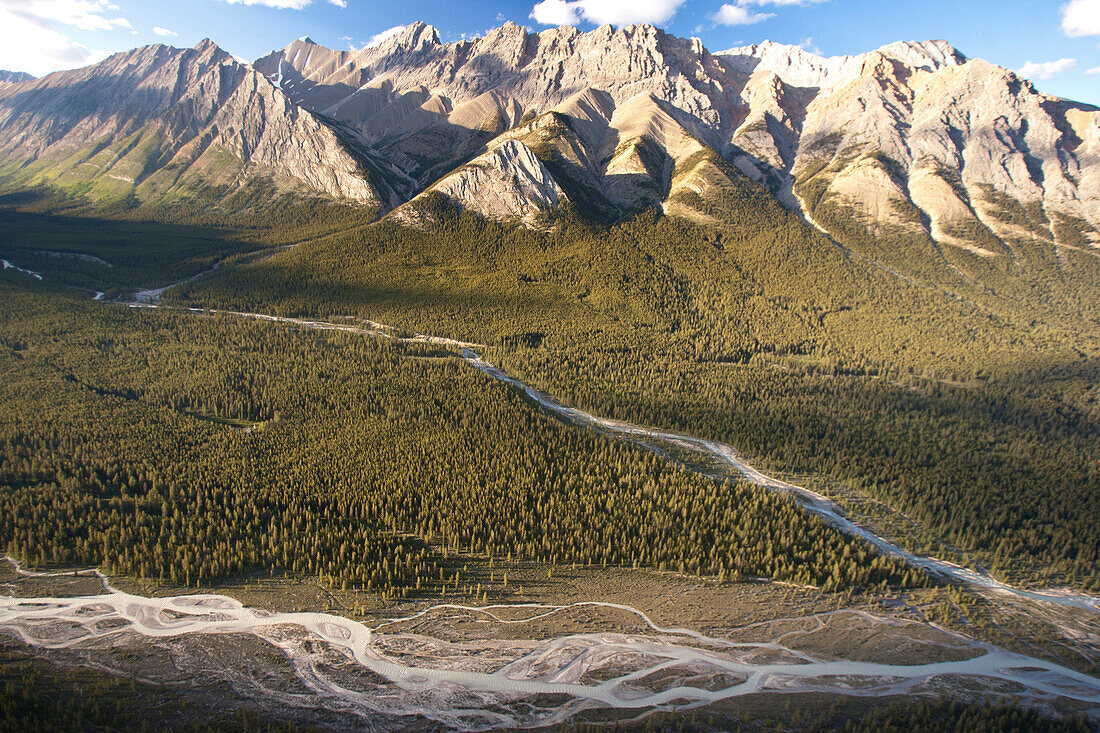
column 189, row 449
column 192, row 448
column 973, row 412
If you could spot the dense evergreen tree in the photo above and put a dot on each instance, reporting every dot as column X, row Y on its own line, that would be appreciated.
column 974, row 412
column 188, row 448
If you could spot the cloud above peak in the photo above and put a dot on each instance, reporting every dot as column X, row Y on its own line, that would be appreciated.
column 556, row 12
column 599, row 12
column 738, row 15
column 285, row 4
column 85, row 15
column 279, row 4
column 1081, row 18
column 33, row 33
column 741, row 12
column 1046, row 69
column 378, row 38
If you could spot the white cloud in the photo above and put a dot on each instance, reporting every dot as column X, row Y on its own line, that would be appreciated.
column 1081, row 18
column 85, row 15
column 615, row 12
column 164, row 32
column 628, row 12
column 280, row 4
column 809, row 46
column 378, row 38
column 1046, row 69
column 738, row 15
column 37, row 49
column 285, row 4
column 32, row 36
column 1093, row 71
column 556, row 12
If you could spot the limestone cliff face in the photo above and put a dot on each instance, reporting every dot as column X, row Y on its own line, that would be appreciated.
column 152, row 119
column 537, row 71
column 508, row 183
column 434, row 105
column 912, row 134
column 919, row 137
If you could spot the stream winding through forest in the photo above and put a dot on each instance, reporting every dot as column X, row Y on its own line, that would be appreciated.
column 810, row 500
column 539, row 682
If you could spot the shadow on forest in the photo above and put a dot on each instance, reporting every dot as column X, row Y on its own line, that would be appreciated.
column 101, row 253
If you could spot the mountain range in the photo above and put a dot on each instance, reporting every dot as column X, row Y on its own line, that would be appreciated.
column 913, row 139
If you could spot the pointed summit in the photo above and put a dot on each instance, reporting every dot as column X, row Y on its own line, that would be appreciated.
column 510, row 28
column 414, row 37
column 211, row 52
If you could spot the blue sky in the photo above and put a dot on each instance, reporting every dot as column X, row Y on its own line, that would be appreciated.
column 1052, row 42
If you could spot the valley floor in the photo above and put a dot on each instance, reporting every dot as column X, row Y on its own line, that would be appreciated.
column 724, row 653
column 720, row 455
column 574, row 644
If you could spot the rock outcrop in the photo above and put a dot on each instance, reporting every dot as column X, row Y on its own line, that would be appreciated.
column 14, row 77
column 912, row 137
column 508, row 183
column 158, row 120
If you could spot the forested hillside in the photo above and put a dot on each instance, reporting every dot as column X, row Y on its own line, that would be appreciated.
column 186, row 449
column 971, row 411
column 874, row 276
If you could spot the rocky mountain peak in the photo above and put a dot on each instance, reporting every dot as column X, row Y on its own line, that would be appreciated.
column 793, row 64
column 512, row 124
column 925, row 55
column 14, row 77
column 509, row 28
column 156, row 118
column 414, row 37
column 206, row 48
column 801, row 68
